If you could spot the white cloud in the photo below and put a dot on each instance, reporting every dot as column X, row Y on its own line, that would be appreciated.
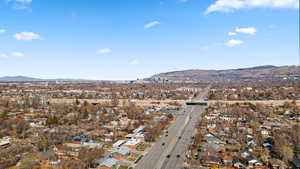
column 3, row 55
column 104, row 51
column 20, row 7
column 17, row 54
column 27, row 36
column 183, row 1
column 250, row 30
column 2, row 31
column 231, row 5
column 12, row 54
column 151, row 24
column 134, row 62
column 24, row 1
column 231, row 33
column 233, row 42
column 20, row 4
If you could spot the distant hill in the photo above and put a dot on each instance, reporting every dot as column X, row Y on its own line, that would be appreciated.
column 22, row 79
column 267, row 72
column 31, row 79
column 243, row 74
column 18, row 78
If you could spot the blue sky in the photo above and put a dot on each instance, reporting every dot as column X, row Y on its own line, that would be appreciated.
column 129, row 39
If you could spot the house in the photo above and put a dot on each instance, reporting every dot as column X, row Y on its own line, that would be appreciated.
column 209, row 138
column 265, row 132
column 5, row 141
column 121, row 152
column 238, row 165
column 92, row 145
column 118, row 143
column 109, row 163
column 278, row 164
column 210, row 160
column 227, row 117
column 82, row 139
column 227, row 160
column 254, row 162
column 132, row 143
column 124, row 121
column 139, row 129
column 251, row 143
column 130, row 136
column 47, row 156
column 105, row 139
column 211, row 116
column 245, row 154
column 65, row 151
column 211, row 126
column 123, row 115
column 140, row 136
column 212, row 147
column 296, row 163
column 267, row 146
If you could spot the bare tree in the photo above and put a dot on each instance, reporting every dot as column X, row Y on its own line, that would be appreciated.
column 73, row 164
column 88, row 156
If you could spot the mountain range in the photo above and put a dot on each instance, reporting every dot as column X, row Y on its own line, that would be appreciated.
column 18, row 78
column 32, row 79
column 267, row 72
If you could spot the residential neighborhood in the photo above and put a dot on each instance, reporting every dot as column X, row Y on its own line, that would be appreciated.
column 114, row 133
column 113, row 130
column 149, row 84
column 247, row 136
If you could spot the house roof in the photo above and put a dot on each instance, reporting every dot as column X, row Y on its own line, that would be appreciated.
column 121, row 150
column 212, row 139
column 138, row 129
column 4, row 142
column 110, row 162
column 46, row 155
column 213, row 147
column 132, row 142
column 140, row 135
column 93, row 145
column 119, row 143
column 296, row 162
column 210, row 158
column 129, row 135
column 79, row 139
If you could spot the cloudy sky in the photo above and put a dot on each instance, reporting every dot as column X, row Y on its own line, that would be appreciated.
column 129, row 39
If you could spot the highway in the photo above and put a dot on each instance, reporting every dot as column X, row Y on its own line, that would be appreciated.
column 177, row 155
column 161, row 156
column 158, row 151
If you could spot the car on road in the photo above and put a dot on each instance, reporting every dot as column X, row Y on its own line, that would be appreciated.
column 179, row 137
column 163, row 144
column 178, row 155
column 168, row 156
column 167, row 135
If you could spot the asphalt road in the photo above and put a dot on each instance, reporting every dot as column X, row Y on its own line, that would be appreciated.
column 157, row 153
column 177, row 155
column 156, row 157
